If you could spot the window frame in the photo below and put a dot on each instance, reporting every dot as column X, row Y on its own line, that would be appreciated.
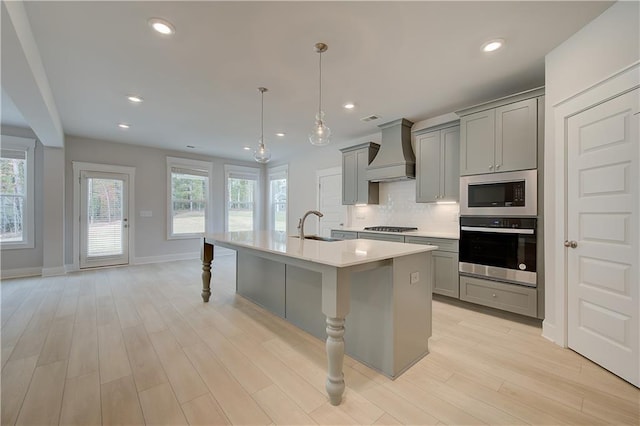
column 276, row 173
column 195, row 165
column 27, row 145
column 254, row 173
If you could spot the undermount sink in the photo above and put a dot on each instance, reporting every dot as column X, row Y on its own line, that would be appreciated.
column 318, row 238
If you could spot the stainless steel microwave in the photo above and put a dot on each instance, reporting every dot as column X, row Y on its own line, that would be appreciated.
column 500, row 194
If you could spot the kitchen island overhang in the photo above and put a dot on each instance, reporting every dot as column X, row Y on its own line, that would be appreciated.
column 388, row 286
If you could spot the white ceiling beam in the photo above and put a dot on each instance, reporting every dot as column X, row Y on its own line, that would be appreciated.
column 23, row 76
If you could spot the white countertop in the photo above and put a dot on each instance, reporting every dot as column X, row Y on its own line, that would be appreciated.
column 432, row 234
column 334, row 253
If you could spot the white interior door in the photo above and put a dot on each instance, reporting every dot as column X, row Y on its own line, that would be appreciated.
column 330, row 201
column 104, row 224
column 603, row 235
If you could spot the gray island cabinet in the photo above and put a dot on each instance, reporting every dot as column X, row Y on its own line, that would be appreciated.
column 371, row 299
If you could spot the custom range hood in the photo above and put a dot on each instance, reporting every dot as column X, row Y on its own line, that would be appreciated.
column 395, row 160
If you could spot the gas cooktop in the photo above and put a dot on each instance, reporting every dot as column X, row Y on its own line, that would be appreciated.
column 390, row 228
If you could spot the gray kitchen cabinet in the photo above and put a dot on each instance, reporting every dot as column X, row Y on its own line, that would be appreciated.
column 445, row 264
column 356, row 189
column 508, row 297
column 438, row 165
column 381, row 237
column 344, row 235
column 500, row 137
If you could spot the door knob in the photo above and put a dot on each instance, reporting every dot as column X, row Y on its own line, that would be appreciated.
column 572, row 244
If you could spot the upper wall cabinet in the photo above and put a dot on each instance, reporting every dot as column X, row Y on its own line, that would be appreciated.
column 438, row 165
column 356, row 189
column 500, row 136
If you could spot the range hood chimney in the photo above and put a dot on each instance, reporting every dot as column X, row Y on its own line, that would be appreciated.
column 395, row 160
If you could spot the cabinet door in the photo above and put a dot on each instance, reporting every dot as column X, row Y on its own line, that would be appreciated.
column 477, row 140
column 516, row 136
column 445, row 267
column 450, row 164
column 428, row 167
column 362, row 184
column 349, row 177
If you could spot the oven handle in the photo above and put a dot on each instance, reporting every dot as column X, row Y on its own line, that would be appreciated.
column 498, row 230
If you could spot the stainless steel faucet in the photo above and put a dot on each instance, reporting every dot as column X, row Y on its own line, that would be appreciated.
column 301, row 221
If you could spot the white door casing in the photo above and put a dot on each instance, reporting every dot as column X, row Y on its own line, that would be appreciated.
column 330, row 200
column 602, row 229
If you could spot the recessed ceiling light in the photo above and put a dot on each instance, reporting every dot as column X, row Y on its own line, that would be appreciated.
column 134, row 98
column 162, row 26
column 349, row 105
column 124, row 125
column 493, row 45
column 246, row 148
column 280, row 134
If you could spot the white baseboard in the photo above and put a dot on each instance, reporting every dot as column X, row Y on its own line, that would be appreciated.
column 71, row 267
column 549, row 332
column 55, row 271
column 165, row 258
column 20, row 272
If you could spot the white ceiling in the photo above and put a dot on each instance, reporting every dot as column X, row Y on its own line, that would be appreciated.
column 394, row 59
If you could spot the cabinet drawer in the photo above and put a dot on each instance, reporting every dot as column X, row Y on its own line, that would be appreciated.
column 381, row 237
column 344, row 235
column 443, row 244
column 508, row 297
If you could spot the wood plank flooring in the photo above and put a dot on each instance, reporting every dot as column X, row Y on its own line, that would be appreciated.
column 136, row 345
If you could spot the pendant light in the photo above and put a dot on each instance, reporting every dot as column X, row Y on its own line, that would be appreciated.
column 262, row 153
column 320, row 134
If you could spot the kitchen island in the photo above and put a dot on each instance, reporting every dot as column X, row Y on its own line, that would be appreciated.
column 384, row 286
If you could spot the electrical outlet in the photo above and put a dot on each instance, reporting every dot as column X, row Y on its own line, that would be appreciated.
column 414, row 277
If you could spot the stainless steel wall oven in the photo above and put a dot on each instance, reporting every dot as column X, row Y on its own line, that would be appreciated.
column 498, row 248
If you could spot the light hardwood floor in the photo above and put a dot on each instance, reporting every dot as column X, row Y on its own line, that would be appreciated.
column 136, row 345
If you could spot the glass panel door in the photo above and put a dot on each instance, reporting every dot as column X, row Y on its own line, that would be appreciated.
column 104, row 223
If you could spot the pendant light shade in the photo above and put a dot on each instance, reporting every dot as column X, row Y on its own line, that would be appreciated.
column 320, row 135
column 262, row 154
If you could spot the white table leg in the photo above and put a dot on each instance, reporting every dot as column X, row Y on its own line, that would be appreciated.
column 335, row 357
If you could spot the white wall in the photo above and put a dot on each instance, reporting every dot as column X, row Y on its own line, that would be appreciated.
column 606, row 45
column 27, row 261
column 150, row 241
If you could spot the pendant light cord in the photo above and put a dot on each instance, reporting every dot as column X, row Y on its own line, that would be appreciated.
column 320, row 84
column 262, row 118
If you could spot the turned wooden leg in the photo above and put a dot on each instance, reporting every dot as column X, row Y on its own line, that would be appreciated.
column 335, row 358
column 206, row 254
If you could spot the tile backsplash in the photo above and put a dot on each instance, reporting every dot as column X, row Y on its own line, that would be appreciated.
column 398, row 208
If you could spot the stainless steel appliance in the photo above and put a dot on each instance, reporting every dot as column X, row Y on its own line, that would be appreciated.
column 499, row 194
column 390, row 228
column 498, row 248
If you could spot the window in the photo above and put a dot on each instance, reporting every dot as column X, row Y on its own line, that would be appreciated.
column 241, row 198
column 278, row 198
column 16, row 192
column 189, row 197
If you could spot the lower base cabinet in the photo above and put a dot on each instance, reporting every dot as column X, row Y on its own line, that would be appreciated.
column 445, row 267
column 508, row 297
column 445, row 264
